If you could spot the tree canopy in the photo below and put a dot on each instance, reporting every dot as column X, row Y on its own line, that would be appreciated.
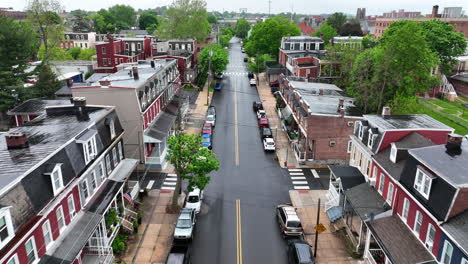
column 212, row 19
column 148, row 18
column 219, row 59
column 351, row 29
column 185, row 19
column 242, row 28
column 47, row 83
column 80, row 21
column 337, row 21
column 326, row 31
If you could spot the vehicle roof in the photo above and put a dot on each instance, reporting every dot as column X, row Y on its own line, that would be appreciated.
column 303, row 252
column 261, row 110
column 290, row 213
column 264, row 119
column 206, row 135
column 269, row 140
column 207, row 124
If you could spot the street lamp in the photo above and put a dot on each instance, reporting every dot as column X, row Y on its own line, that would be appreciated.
column 209, row 74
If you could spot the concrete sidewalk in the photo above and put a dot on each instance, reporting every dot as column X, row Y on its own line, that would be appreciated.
column 197, row 115
column 330, row 247
column 284, row 152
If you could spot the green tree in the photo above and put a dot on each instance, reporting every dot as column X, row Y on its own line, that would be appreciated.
column 54, row 54
column 219, row 59
column 185, row 19
column 104, row 22
column 351, row 29
column 212, row 19
column 14, row 59
column 124, row 15
column 258, row 64
column 148, row 18
column 265, row 37
column 86, row 54
column 151, row 29
column 368, row 42
column 326, row 31
column 191, row 162
column 224, row 40
column 445, row 42
column 337, row 20
column 47, row 83
column 363, row 88
column 242, row 28
column 81, row 22
column 74, row 52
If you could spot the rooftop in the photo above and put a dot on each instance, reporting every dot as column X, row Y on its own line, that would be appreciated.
column 350, row 176
column 451, row 167
column 457, row 228
column 35, row 106
column 344, row 38
column 366, row 201
column 396, row 122
column 301, row 39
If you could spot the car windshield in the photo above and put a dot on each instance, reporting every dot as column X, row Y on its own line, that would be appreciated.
column 206, row 128
column 183, row 223
column 193, row 199
column 210, row 118
column 205, row 140
column 270, row 143
column 294, row 224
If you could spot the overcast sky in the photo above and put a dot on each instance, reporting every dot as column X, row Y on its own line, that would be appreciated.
column 277, row 6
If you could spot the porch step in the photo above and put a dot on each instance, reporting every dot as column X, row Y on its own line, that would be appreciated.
column 127, row 225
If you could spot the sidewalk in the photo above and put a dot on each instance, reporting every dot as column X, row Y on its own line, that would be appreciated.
column 283, row 147
column 197, row 115
column 330, row 247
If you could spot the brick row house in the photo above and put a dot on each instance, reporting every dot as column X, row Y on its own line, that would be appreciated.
column 31, row 109
column 61, row 175
column 81, row 40
column 147, row 101
column 318, row 119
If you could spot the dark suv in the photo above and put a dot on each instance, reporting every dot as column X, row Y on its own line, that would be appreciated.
column 299, row 252
column 179, row 254
column 265, row 132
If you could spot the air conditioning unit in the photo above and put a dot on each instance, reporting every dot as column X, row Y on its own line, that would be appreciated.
column 372, row 182
column 332, row 143
column 350, row 123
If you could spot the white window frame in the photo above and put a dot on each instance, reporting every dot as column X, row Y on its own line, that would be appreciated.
column 14, row 258
column 420, row 186
column 371, row 139
column 361, row 131
column 393, row 153
column 36, row 259
column 418, row 216
column 108, row 164
column 429, row 243
column 5, row 212
column 374, row 173
column 120, row 150
column 57, row 212
column 47, row 230
column 89, row 155
column 115, row 160
column 138, row 46
column 103, row 50
column 381, row 183
column 405, row 209
column 71, row 207
column 390, row 191
column 100, row 168
column 87, row 191
column 350, row 146
column 94, row 179
column 57, row 169
column 464, row 261
column 442, row 258
column 357, row 125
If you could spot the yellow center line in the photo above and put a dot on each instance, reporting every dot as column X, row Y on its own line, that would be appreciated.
column 236, row 128
column 239, row 232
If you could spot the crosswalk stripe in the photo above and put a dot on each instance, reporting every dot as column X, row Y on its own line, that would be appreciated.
column 296, row 173
column 169, row 183
column 294, row 169
column 150, row 184
column 171, row 179
column 314, row 172
column 301, row 188
column 167, row 188
column 171, row 175
column 299, row 182
column 298, row 178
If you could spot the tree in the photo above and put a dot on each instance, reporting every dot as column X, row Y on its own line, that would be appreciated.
column 326, row 31
column 265, row 37
column 219, row 59
column 351, row 29
column 191, row 162
column 81, row 22
column 363, row 88
column 148, row 18
column 212, row 19
column 185, row 19
column 86, row 54
column 368, row 42
column 258, row 65
column 124, row 16
column 104, row 22
column 54, row 54
column 14, row 59
column 337, row 20
column 47, row 83
column 242, row 28
column 43, row 15
column 225, row 39
column 445, row 42
column 74, row 52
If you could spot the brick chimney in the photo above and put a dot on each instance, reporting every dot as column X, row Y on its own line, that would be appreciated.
column 386, row 111
column 435, row 11
column 453, row 145
column 135, row 72
column 16, row 140
column 321, row 92
column 105, row 82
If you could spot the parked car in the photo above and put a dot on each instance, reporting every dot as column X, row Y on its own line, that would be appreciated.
column 299, row 252
column 242, row 50
column 257, row 106
column 274, row 89
column 263, row 122
column 265, row 132
column 268, row 144
column 261, row 114
column 194, row 200
column 211, row 110
column 207, row 129
column 250, row 75
column 218, row 86
column 219, row 75
column 253, row 82
column 288, row 220
column 206, row 141
column 179, row 254
column 185, row 224
column 274, row 84
column 245, row 59
column 211, row 119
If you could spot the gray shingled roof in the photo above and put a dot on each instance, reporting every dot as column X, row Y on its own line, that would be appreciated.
column 366, row 201
column 36, row 106
column 405, row 121
column 457, row 228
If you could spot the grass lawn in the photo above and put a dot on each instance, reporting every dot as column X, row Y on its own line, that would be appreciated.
column 454, row 114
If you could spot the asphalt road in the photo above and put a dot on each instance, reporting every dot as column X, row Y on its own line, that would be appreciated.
column 252, row 176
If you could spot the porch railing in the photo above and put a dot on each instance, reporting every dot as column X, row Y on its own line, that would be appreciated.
column 101, row 255
column 301, row 155
column 374, row 256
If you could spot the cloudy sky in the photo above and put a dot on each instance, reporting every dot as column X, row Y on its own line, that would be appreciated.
column 277, row 6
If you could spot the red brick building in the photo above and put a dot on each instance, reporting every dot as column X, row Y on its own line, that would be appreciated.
column 306, row 29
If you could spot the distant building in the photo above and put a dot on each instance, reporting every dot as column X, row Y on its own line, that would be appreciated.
column 82, row 40
column 306, row 29
column 401, row 14
column 16, row 15
column 350, row 41
column 452, row 12
column 361, row 13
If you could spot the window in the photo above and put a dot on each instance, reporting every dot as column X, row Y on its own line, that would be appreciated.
column 13, row 260
column 350, row 146
column 100, row 171
column 71, row 207
column 86, row 45
column 447, row 253
column 418, row 222
column 139, row 46
column 31, row 251
column 361, row 131
column 430, row 236
column 405, row 211
column 116, row 61
column 84, row 191
column 371, row 139
column 112, row 128
column 368, row 167
column 56, row 178
column 103, row 50
column 108, row 164
column 464, row 261
column 374, row 174
column 93, row 180
column 126, row 46
column 90, row 149
column 121, row 60
column 393, row 153
column 46, row 231
column 390, row 193
column 120, row 150
column 6, row 226
column 60, row 218
column 423, row 183
column 381, row 183
column 114, row 157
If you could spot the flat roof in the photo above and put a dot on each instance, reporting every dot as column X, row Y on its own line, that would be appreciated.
column 36, row 106
column 415, row 121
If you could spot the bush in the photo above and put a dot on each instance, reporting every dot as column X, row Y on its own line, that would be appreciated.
column 87, row 75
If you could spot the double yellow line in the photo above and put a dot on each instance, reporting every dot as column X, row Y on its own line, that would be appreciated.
column 239, row 232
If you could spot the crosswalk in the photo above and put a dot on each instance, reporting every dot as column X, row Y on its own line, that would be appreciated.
column 298, row 179
column 308, row 179
column 169, row 182
column 236, row 73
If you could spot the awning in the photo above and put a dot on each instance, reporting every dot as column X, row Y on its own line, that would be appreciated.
column 104, row 197
column 160, row 128
column 286, row 113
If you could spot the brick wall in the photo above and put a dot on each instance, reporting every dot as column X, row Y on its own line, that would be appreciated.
column 460, row 204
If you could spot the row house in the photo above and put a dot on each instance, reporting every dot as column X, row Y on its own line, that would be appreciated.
column 82, row 40
column 318, row 119
column 347, row 41
column 56, row 189
column 300, row 44
column 145, row 97
column 175, row 46
column 188, row 70
column 31, row 109
column 110, row 55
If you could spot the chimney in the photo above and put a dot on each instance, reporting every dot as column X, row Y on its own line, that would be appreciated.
column 16, row 140
column 435, row 11
column 453, row 145
column 320, row 91
column 135, row 73
column 152, row 64
column 342, row 111
column 79, row 103
column 341, row 108
column 386, row 111
column 104, row 82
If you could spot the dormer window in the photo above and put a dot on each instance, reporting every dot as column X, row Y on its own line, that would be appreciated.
column 6, row 226
column 357, row 124
column 393, row 153
column 57, row 179
column 371, row 139
column 361, row 131
column 112, row 128
column 88, row 139
column 423, row 182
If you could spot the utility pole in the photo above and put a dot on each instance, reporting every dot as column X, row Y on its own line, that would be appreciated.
column 269, row 8
column 316, row 230
column 209, row 75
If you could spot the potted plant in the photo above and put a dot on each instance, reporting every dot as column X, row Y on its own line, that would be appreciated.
column 121, row 210
column 139, row 217
column 135, row 226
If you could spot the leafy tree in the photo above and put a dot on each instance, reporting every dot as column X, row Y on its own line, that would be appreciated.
column 43, row 15
column 104, row 22
column 212, row 19
column 86, row 54
column 74, row 52
column 227, row 31
column 191, row 162
column 326, row 31
column 368, row 42
column 55, row 54
column 81, row 22
column 351, row 29
column 219, row 59
column 242, row 28
column 337, row 20
column 124, row 16
column 258, row 65
column 364, row 83
column 445, row 42
column 185, row 19
column 265, row 37
column 14, row 59
column 224, row 40
column 151, row 29
column 47, row 83
column 148, row 18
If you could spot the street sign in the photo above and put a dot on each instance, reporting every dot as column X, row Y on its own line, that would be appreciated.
column 320, row 228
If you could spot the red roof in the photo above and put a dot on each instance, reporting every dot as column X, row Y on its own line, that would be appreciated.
column 306, row 29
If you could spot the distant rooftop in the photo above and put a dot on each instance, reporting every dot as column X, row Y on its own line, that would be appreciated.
column 133, row 31
column 395, row 122
column 301, row 38
column 344, row 38
column 35, row 106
